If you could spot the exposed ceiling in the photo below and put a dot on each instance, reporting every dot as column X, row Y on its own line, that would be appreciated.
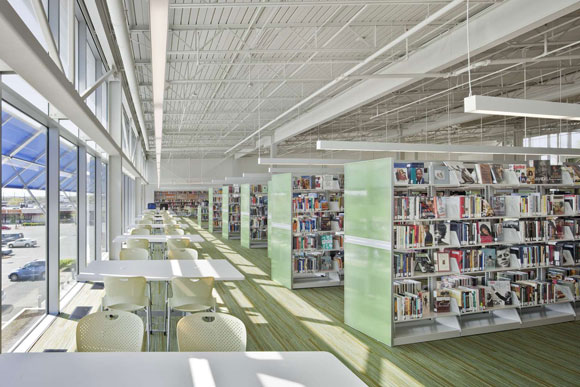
column 234, row 68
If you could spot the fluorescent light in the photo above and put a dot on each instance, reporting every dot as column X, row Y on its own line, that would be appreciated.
column 515, row 107
column 296, row 161
column 256, row 175
column 235, row 180
column 442, row 148
column 337, row 169
column 159, row 15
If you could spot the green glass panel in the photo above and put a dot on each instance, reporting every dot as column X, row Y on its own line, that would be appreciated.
column 225, row 211
column 279, row 208
column 199, row 215
column 269, row 221
column 367, row 269
column 245, row 215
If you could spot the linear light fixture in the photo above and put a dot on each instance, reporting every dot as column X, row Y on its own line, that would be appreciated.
column 159, row 22
column 256, row 175
column 357, row 146
column 337, row 169
column 297, row 161
column 515, row 107
column 241, row 180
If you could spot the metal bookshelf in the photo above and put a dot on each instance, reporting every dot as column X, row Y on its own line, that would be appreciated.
column 254, row 214
column 231, row 221
column 215, row 210
column 370, row 248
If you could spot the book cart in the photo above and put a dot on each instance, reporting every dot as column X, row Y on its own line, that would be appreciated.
column 307, row 230
column 432, row 261
column 231, row 212
column 215, row 210
column 254, row 213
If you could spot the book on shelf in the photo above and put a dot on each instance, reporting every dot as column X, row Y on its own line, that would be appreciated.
column 501, row 294
column 441, row 301
column 401, row 176
column 463, row 175
column 498, row 173
column 440, row 174
column 520, row 172
column 417, row 173
column 489, row 258
column 574, row 170
column 542, row 171
column 483, row 172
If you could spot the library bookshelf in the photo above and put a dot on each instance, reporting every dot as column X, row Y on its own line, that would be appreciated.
column 307, row 230
column 435, row 261
column 203, row 214
column 215, row 210
column 231, row 212
column 254, row 214
column 269, row 220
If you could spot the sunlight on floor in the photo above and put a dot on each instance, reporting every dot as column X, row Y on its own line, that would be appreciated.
column 293, row 303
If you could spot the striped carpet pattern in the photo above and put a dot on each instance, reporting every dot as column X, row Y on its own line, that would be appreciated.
column 278, row 319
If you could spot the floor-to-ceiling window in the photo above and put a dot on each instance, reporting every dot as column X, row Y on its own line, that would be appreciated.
column 91, row 208
column 104, row 212
column 68, row 214
column 24, row 151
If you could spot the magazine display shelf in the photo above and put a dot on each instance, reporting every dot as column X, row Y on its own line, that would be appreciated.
column 371, row 269
column 215, row 210
column 254, row 213
column 231, row 212
column 289, row 264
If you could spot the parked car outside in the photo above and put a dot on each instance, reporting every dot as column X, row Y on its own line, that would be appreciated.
column 31, row 271
column 4, row 227
column 9, row 237
column 22, row 242
column 6, row 251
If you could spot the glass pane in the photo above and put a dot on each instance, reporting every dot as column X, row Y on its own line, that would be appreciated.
column 104, row 240
column 68, row 215
column 23, row 224
column 91, row 208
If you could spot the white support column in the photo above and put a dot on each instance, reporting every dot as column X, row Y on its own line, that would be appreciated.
column 82, row 210
column 98, row 206
column 52, row 222
column 115, row 197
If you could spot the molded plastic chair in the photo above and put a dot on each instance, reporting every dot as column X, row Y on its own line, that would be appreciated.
column 138, row 243
column 174, row 231
column 185, row 254
column 134, row 253
column 211, row 332
column 177, row 243
column 140, row 231
column 129, row 294
column 110, row 331
column 145, row 221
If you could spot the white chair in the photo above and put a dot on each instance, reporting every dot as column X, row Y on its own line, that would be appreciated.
column 134, row 254
column 145, row 222
column 129, row 294
column 177, row 243
column 141, row 231
column 211, row 332
column 110, row 331
column 138, row 243
column 185, row 254
column 189, row 295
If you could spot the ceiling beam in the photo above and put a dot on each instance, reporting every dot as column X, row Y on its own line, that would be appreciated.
column 448, row 50
column 312, row 3
column 272, row 51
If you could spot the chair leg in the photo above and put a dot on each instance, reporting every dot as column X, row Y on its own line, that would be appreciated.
column 168, row 327
column 148, row 317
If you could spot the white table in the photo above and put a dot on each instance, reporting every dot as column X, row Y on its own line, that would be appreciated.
column 159, row 238
column 185, row 369
column 159, row 225
column 161, row 270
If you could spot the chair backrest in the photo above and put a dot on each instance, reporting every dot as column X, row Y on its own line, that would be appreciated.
column 126, row 293
column 140, row 231
column 211, row 332
column 174, row 231
column 185, row 254
column 138, row 243
column 184, row 289
column 134, row 253
column 110, row 331
column 145, row 222
column 177, row 243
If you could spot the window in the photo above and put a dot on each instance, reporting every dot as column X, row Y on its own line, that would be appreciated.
column 104, row 212
column 68, row 215
column 91, row 208
column 24, row 146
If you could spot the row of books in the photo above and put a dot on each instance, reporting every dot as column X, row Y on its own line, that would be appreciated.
column 322, row 182
column 234, row 189
column 258, row 188
column 455, row 172
column 474, row 206
column 259, row 211
column 410, row 300
column 317, row 223
column 217, row 223
column 258, row 235
column 261, row 200
column 320, row 241
column 408, row 264
column 315, row 201
column 234, row 227
column 566, row 276
column 258, row 222
column 316, row 261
